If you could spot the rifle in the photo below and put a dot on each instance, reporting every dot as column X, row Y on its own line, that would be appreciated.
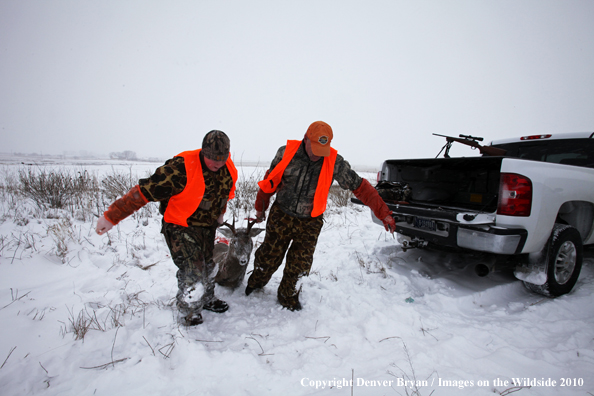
column 471, row 141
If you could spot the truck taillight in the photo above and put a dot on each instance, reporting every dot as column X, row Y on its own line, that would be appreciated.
column 379, row 174
column 535, row 137
column 515, row 195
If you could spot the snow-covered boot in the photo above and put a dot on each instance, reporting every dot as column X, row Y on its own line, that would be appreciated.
column 290, row 302
column 192, row 319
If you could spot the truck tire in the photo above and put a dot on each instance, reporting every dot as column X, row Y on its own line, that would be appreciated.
column 564, row 262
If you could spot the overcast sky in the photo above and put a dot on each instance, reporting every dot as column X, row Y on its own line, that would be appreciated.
column 154, row 76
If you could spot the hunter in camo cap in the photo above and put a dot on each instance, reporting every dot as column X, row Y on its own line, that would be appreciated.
column 190, row 222
column 215, row 146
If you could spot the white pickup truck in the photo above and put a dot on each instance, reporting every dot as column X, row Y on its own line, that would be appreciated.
column 528, row 205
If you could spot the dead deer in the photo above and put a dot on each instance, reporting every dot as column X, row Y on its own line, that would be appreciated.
column 234, row 257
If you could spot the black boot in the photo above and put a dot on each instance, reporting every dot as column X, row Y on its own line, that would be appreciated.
column 216, row 305
column 249, row 290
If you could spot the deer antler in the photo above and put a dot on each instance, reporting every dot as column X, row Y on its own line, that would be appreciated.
column 251, row 223
column 231, row 226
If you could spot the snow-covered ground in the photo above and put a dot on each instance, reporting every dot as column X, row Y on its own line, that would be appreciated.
column 375, row 320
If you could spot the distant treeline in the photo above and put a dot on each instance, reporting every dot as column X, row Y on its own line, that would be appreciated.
column 124, row 155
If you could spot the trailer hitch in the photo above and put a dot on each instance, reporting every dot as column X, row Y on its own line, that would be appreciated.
column 412, row 243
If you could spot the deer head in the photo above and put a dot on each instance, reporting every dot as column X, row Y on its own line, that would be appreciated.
column 240, row 240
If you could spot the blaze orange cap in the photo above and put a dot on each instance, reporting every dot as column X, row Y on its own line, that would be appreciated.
column 320, row 135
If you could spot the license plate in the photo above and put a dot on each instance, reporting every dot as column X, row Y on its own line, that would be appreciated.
column 425, row 224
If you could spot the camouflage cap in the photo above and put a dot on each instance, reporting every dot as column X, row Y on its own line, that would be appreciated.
column 215, row 146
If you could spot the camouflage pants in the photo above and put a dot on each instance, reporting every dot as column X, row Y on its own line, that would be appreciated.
column 191, row 250
column 283, row 230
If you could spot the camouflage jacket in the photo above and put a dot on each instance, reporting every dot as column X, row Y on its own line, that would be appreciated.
column 170, row 179
column 295, row 193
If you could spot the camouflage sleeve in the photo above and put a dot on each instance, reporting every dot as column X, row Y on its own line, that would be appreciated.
column 346, row 177
column 277, row 158
column 167, row 181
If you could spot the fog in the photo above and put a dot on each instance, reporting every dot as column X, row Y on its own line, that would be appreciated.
column 154, row 76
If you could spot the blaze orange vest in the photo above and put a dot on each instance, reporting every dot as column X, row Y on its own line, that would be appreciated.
column 270, row 184
column 181, row 206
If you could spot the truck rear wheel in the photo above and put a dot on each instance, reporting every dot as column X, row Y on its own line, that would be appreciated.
column 564, row 262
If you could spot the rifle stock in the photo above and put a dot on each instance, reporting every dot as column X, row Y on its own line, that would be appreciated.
column 470, row 141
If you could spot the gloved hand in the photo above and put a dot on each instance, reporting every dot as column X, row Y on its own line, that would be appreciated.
column 103, row 225
column 122, row 208
column 369, row 196
column 260, row 216
column 389, row 223
column 262, row 201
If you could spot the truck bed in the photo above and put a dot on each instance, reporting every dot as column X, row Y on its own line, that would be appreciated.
column 462, row 183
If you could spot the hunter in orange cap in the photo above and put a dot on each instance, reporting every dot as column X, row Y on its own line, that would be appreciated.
column 320, row 135
column 301, row 175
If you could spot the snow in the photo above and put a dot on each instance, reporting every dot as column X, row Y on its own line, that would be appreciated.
column 392, row 322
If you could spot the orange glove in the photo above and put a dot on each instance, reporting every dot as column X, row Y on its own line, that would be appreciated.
column 122, row 208
column 369, row 196
column 389, row 223
column 262, row 201
column 103, row 225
